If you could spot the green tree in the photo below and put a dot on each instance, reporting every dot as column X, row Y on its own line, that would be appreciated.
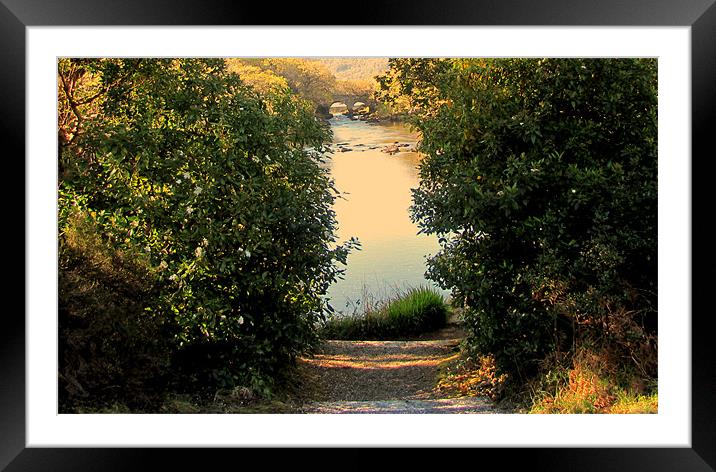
column 221, row 191
column 540, row 177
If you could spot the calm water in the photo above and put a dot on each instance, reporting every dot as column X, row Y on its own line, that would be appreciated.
column 375, row 210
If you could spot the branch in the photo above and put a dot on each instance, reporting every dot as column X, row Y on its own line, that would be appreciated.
column 73, row 107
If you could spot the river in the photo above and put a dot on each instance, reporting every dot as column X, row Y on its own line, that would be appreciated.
column 375, row 210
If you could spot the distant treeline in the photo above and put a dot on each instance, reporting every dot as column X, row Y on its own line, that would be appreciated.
column 318, row 80
column 355, row 68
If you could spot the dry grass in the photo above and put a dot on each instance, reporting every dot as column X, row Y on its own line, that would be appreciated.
column 472, row 377
column 593, row 385
column 636, row 404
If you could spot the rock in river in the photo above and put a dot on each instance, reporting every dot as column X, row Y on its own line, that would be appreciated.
column 392, row 149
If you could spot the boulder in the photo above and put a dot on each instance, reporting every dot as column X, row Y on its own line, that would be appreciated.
column 392, row 149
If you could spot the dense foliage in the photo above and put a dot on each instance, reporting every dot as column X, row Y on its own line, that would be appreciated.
column 540, row 177
column 218, row 190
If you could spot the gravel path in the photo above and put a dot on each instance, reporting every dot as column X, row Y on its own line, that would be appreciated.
column 385, row 377
column 446, row 405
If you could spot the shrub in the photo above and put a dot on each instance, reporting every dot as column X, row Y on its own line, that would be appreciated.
column 416, row 311
column 222, row 189
column 540, row 178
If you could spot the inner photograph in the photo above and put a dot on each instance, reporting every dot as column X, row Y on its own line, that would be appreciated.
column 369, row 235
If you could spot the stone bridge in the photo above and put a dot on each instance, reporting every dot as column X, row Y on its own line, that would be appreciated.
column 351, row 100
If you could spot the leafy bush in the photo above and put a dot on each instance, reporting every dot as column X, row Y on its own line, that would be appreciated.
column 540, row 178
column 418, row 310
column 221, row 188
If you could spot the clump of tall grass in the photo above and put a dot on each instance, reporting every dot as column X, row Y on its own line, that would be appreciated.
column 409, row 313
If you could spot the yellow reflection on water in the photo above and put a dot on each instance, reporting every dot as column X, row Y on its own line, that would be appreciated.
column 378, row 187
column 375, row 209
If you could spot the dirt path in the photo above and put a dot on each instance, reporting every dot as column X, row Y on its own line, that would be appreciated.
column 386, row 376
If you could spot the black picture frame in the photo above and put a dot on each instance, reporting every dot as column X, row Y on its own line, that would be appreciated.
column 700, row 15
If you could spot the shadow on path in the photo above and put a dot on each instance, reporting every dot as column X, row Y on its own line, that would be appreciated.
column 385, row 377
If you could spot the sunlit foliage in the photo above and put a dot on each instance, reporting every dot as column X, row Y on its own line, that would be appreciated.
column 264, row 81
column 358, row 69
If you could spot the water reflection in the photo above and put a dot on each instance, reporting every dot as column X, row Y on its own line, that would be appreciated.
column 375, row 210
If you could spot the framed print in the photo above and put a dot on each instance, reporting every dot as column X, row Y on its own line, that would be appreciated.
column 38, row 35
